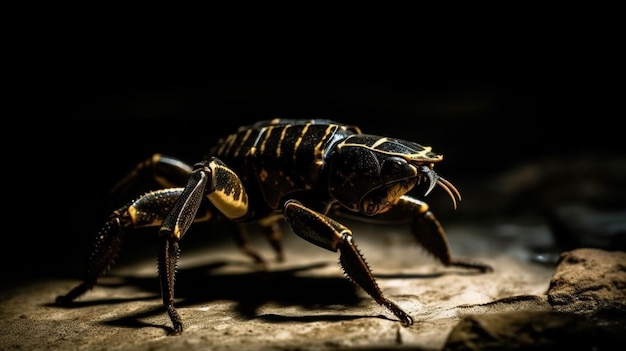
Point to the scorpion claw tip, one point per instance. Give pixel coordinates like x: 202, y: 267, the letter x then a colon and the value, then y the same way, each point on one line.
x: 432, y: 179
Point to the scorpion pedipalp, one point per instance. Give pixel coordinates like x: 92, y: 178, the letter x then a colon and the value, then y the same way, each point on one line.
x: 434, y: 179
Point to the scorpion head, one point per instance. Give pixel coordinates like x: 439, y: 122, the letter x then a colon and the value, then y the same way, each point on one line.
x: 369, y: 173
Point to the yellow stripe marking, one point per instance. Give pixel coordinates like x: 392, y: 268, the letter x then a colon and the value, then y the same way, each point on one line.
x: 380, y: 141
x: 419, y: 156
x: 280, y: 142
x: 319, y: 148
x: 241, y: 142
x: 266, y: 132
x: 132, y: 212
x: 297, y: 143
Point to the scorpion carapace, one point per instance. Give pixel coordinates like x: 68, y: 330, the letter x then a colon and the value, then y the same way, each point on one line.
x: 309, y: 172
x: 368, y: 173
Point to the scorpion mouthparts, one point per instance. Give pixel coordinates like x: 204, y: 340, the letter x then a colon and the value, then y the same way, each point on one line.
x: 450, y: 189
x: 434, y: 179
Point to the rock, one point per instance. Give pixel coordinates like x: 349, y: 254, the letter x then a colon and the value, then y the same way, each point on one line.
x: 587, y: 293
x: 526, y: 330
x: 589, y: 281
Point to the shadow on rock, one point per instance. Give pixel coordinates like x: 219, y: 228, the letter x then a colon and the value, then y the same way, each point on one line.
x: 201, y: 284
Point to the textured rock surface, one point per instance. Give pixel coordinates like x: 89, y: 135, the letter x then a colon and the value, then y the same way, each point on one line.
x: 305, y: 303
x: 525, y: 330
x: 589, y: 281
x: 586, y: 310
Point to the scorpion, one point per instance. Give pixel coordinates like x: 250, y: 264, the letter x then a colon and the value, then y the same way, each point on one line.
x: 309, y: 172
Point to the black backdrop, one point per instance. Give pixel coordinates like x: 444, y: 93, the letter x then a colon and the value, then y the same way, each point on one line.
x: 91, y: 116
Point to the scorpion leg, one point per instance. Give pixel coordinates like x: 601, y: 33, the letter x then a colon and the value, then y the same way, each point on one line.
x: 241, y: 232
x: 428, y: 232
x: 270, y: 227
x: 105, y: 249
x: 173, y: 228
x: 168, y: 260
x: 331, y: 235
x: 157, y: 172
x: 162, y: 171
x: 139, y: 213
x: 174, y: 210
x: 225, y: 191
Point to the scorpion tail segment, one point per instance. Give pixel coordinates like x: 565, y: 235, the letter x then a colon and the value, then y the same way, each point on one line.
x: 357, y: 270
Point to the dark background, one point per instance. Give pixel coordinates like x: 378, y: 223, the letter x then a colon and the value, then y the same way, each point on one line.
x: 489, y: 102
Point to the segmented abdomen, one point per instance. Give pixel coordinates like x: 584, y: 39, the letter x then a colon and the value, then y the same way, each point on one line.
x: 283, y: 155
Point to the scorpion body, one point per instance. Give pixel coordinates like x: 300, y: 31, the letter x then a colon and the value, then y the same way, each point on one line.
x: 308, y: 172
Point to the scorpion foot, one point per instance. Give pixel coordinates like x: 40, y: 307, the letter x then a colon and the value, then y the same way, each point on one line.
x: 405, y: 319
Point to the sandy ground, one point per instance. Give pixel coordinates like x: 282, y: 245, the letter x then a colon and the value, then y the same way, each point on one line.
x: 303, y: 303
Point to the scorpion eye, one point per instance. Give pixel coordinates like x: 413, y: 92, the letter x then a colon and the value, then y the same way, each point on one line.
x: 396, y: 167
x: 393, y: 163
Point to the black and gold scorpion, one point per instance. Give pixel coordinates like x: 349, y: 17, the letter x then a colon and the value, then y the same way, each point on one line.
x: 309, y: 172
